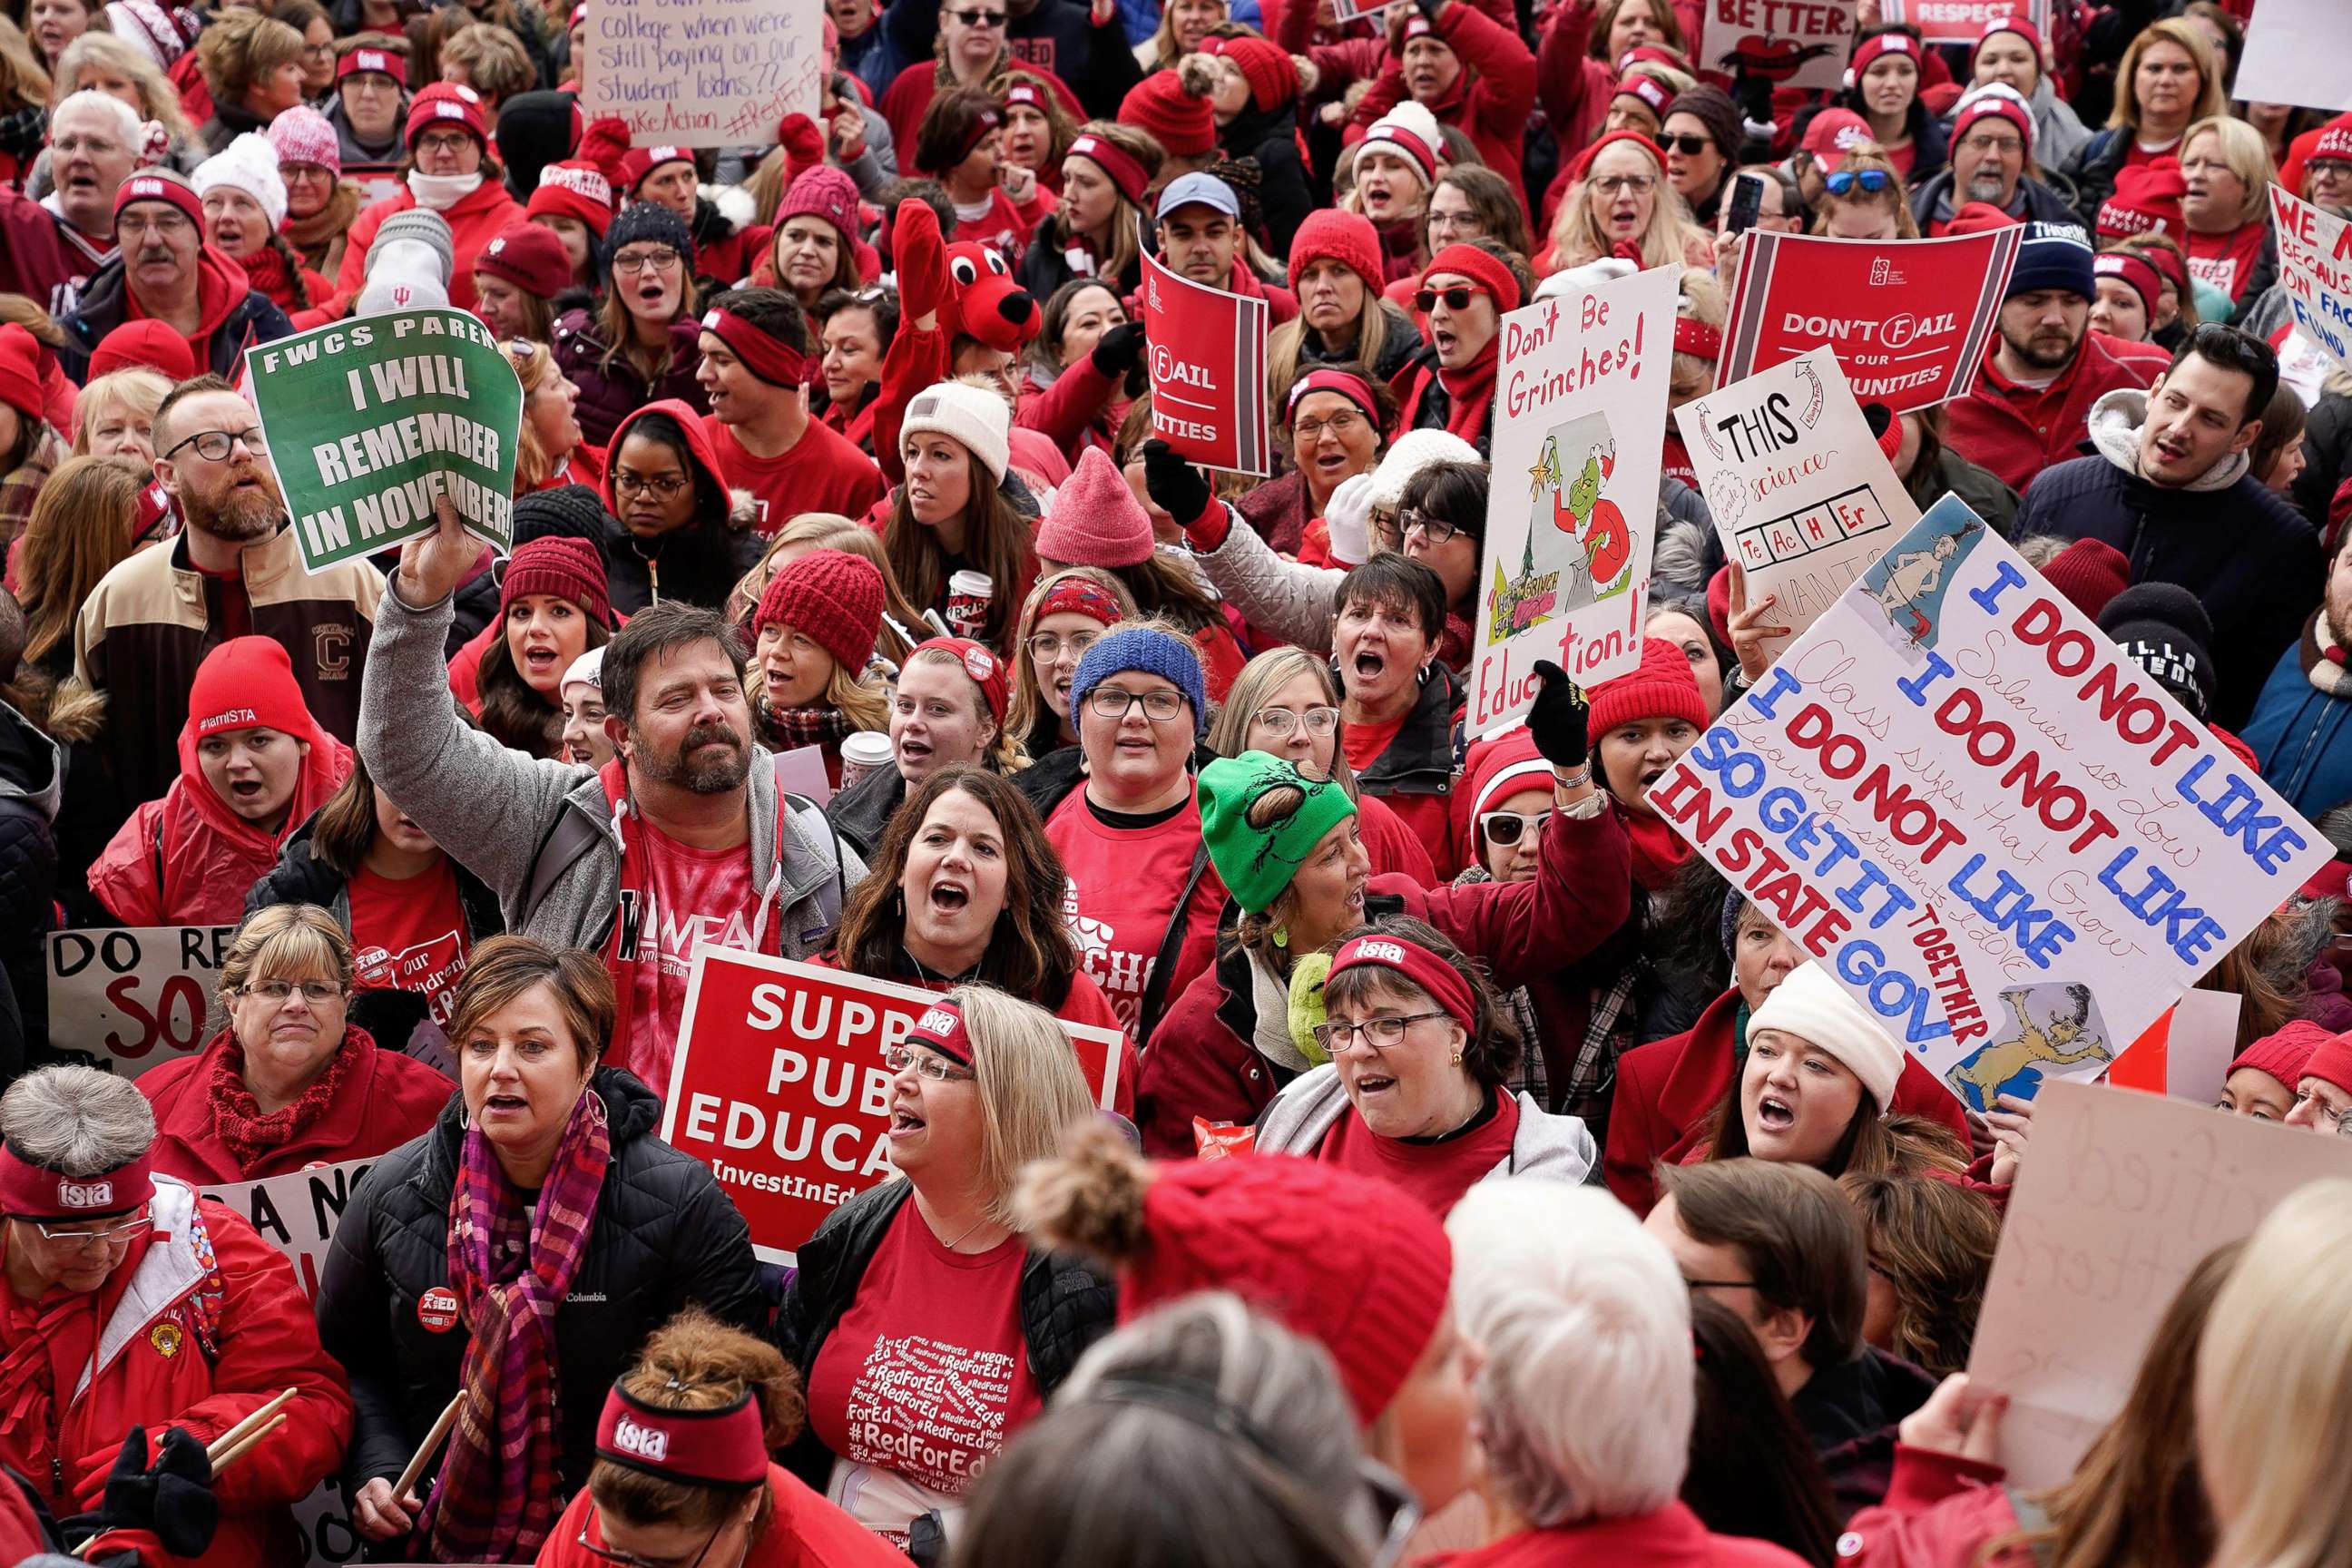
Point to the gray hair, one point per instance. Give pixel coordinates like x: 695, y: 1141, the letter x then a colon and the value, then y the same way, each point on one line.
x: 125, y: 118
x: 76, y: 1121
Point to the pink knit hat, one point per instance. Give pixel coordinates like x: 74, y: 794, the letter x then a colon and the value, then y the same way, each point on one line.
x: 1096, y: 520
x: 303, y: 136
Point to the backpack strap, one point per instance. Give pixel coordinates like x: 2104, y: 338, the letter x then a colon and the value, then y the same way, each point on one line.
x: 1155, y: 994
x: 567, y: 837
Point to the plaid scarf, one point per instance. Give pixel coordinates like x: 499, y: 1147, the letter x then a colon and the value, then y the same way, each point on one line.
x: 237, y: 1119
x: 793, y: 728
x: 495, y: 1499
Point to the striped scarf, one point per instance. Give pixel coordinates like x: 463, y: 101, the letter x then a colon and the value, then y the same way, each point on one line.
x: 496, y: 1499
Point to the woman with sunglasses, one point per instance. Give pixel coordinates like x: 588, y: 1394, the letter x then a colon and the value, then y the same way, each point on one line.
x: 1466, y: 292
x: 1622, y: 205
x: 924, y: 1280
x: 1700, y: 135
x: 1886, y: 93
x: 1863, y: 199
x: 1066, y: 614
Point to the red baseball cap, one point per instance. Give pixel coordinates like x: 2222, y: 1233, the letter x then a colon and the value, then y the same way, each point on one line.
x: 1833, y: 133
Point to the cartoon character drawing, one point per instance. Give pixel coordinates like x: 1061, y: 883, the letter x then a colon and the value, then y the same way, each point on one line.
x: 1911, y: 581
x: 2072, y: 1033
x: 1583, y: 512
x: 1526, y: 600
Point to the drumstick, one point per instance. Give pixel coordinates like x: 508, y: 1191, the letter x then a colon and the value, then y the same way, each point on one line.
x: 229, y: 1439
x: 246, y: 1444
x: 408, y: 1477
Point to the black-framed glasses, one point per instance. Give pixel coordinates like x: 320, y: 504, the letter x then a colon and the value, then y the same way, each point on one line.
x: 631, y: 1560
x: 980, y: 18
x: 1384, y: 1033
x: 214, y: 446
x: 1342, y: 424
x: 667, y: 486
x: 1871, y: 181
x: 1506, y: 828
x: 1688, y: 146
x: 92, y: 1241
x: 1435, y: 529
x: 926, y: 1063
x: 635, y: 261
x: 2329, y: 169
x: 1457, y: 298
x: 1159, y: 705
x: 1282, y: 721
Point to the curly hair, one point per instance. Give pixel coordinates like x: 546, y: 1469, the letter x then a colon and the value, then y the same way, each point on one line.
x: 696, y: 1363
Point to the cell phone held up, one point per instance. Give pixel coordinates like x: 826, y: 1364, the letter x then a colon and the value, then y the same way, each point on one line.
x: 1746, y: 204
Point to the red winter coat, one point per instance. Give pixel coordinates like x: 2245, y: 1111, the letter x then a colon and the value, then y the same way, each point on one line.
x: 387, y: 1100
x: 1489, y: 102
x: 202, y: 1324
x: 474, y: 222
x: 1940, y: 1511
x: 1672, y: 1537
x: 803, y: 1531
x: 1667, y: 1089
x: 1202, y: 1061
x: 2017, y: 433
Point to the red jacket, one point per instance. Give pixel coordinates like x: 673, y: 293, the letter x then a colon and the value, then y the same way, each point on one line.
x: 474, y: 222
x: 1671, y: 1536
x: 202, y: 1324
x: 1666, y: 1090
x: 387, y: 1100
x: 1202, y: 1062
x: 2017, y: 433
x: 1489, y: 102
x: 42, y: 256
x: 1940, y: 1511
x: 803, y: 1531
x: 912, y: 89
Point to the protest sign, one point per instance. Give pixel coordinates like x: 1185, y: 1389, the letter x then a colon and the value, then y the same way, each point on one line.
x: 778, y: 1084
x: 1207, y: 363
x: 2186, y: 1052
x: 1802, y: 494
x: 2296, y: 52
x: 2119, y: 1197
x: 703, y: 73
x: 126, y: 1000
x: 1960, y: 21
x: 2315, y: 259
x: 1990, y: 824
x: 1349, y: 10
x: 1908, y: 318
x: 1789, y: 43
x: 1581, y: 412
x: 370, y: 420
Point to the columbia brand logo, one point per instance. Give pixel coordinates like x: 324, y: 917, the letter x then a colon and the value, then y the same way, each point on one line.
x: 1385, y: 952
x: 645, y: 1442
x: 85, y: 1194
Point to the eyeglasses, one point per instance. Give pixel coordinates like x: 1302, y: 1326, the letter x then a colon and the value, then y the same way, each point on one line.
x: 665, y: 487
x: 1469, y: 226
x: 1721, y: 1284
x: 979, y: 18
x: 2339, y: 1120
x: 444, y: 141
x: 1383, y: 1032
x: 1310, y: 431
x: 1617, y: 184
x: 646, y: 261
x: 1282, y: 720
x: 1159, y: 705
x: 1435, y: 529
x: 1871, y: 181
x: 2328, y: 169
x: 1457, y: 298
x: 631, y: 1560
x: 2003, y: 144
x: 1688, y: 146
x: 318, y: 992
x: 214, y: 446
x: 1507, y: 827
x: 92, y: 1241
x: 1046, y: 647
x: 927, y: 1065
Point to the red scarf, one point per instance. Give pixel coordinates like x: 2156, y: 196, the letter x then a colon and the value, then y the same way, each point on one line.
x: 265, y: 269
x: 1658, y: 850
x: 237, y: 1117
x: 1471, y: 390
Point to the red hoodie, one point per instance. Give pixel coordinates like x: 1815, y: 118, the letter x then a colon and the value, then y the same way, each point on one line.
x: 221, y: 287
x: 474, y: 222
x: 386, y: 1099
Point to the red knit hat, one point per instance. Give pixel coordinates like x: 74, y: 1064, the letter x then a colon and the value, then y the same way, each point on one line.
x: 1497, y: 768
x: 1094, y: 519
x: 167, y: 185
x: 2335, y: 140
x: 831, y: 596
x: 20, y: 372
x: 2286, y: 1055
x: 1272, y: 74
x: 1161, y: 108
x: 1663, y: 687
x: 573, y: 189
x: 1583, y: 165
x: 990, y: 673
x: 2147, y: 198
x: 248, y: 683
x: 571, y: 569
x: 529, y: 257
x: 639, y: 161
x: 1346, y: 238
x: 447, y: 103
x: 2089, y: 572
x: 822, y: 191
x: 1469, y: 261
x: 1866, y: 53
x: 2018, y: 22
x: 2330, y: 1061
x: 1994, y: 102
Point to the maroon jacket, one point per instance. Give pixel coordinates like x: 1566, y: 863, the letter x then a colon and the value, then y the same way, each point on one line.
x: 387, y: 1100
x: 1488, y: 102
x: 41, y: 256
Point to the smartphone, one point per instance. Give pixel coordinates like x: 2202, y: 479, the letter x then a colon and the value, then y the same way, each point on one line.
x: 1746, y: 204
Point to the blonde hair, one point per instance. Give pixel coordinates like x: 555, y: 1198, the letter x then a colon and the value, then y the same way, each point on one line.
x: 78, y: 531
x: 285, y: 942
x: 1702, y: 301
x: 1005, y: 755
x: 139, y: 390
x: 1666, y: 239
x: 107, y: 52
x: 1028, y: 708
x: 2210, y: 100
x: 20, y: 66
x: 1263, y: 675
x: 1871, y: 156
x: 831, y: 531
x: 1032, y: 1094
x: 535, y: 368
x: 239, y: 49
x: 1374, y: 323
x: 861, y: 701
x: 494, y: 60
x: 2247, y: 156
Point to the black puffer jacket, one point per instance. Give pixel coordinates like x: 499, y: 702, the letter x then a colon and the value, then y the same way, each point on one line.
x: 664, y: 1236
x: 1065, y: 1305
x: 32, y: 776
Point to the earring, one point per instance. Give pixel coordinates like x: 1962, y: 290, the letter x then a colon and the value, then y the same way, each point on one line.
x: 1457, y: 1058
x: 1281, y: 935
x: 1421, y: 677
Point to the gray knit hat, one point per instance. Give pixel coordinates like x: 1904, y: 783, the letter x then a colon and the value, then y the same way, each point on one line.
x: 417, y: 226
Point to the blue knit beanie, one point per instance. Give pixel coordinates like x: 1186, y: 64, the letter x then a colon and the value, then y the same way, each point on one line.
x: 1155, y: 653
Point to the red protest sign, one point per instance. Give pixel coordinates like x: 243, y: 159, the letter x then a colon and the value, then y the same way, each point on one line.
x: 779, y: 1086
x: 1908, y: 318
x: 1208, y: 371
x: 1960, y: 21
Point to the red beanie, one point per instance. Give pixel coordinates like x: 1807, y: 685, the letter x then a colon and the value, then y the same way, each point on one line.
x: 530, y: 258
x: 639, y: 161
x: 20, y: 372
x: 1094, y: 519
x: 1272, y: 74
x: 2018, y: 22
x: 447, y: 103
x: 1583, y: 165
x: 167, y: 185
x: 831, y: 597
x: 574, y: 189
x: 2330, y: 1061
x: 1469, y: 261
x: 1497, y: 768
x: 1866, y: 53
x: 248, y: 683
x: 1663, y: 687
x: 2287, y: 1055
x: 143, y: 344
x: 1161, y: 108
x: 1330, y: 235
x: 2089, y: 572
x: 2147, y: 198
x: 571, y: 569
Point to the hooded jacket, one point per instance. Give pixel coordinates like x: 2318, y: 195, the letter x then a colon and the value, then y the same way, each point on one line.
x: 1933, y: 202
x: 474, y: 220
x: 609, y: 393
x: 1558, y: 1148
x: 1490, y: 102
x: 232, y: 316
x: 386, y: 1099
x: 2014, y: 433
x: 2302, y: 727
x: 700, y: 563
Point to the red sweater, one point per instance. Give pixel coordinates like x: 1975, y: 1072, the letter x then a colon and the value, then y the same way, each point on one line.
x: 2016, y: 432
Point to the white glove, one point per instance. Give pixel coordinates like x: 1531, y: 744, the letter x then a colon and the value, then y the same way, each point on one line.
x: 1591, y: 275
x: 1347, y: 514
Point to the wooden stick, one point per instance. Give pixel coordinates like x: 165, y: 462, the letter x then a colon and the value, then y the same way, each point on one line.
x: 246, y: 1444
x: 409, y: 1477
x: 245, y: 1428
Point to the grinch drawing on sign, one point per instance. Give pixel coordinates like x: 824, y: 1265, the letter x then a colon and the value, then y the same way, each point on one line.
x: 1580, y: 547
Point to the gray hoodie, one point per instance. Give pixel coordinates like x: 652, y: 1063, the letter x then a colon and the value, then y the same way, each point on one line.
x: 2115, y: 426
x: 1310, y: 1105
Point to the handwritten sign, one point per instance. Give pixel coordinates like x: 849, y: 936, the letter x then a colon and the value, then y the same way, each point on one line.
x: 2315, y: 256
x: 1789, y: 43
x: 2186, y: 1052
x: 2120, y: 1196
x: 2296, y: 52
x: 779, y: 1086
x: 1207, y: 363
x: 1908, y: 318
x: 127, y: 1000
x: 1960, y: 21
x: 1802, y: 494
x: 1580, y: 422
x: 1997, y: 832
x: 703, y: 73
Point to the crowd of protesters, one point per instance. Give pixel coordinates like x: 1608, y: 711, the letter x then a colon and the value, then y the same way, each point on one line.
x: 1485, y: 1183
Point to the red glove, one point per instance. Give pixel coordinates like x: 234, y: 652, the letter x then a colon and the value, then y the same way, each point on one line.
x: 803, y: 142
x: 604, y: 143
x: 924, y: 287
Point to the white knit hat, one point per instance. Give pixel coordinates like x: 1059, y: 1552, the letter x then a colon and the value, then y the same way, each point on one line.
x: 1411, y: 132
x: 1812, y: 1006
x: 587, y: 670
x: 1407, y: 455
x: 250, y: 164
x: 978, y: 419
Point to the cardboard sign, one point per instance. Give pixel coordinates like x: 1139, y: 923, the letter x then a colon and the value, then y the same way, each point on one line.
x: 2315, y: 257
x: 127, y: 1000
x: 702, y: 73
x: 1801, y: 495
x: 1908, y: 318
x: 2119, y: 1197
x: 2186, y: 1052
x: 2000, y: 835
x: 1961, y: 21
x: 370, y: 420
x: 1789, y: 43
x: 1578, y: 424
x: 2296, y: 52
x: 779, y: 1086
x: 1207, y: 363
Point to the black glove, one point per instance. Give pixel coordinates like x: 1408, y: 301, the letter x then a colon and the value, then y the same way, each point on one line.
x: 1175, y: 486
x: 1430, y: 9
x: 174, y: 1499
x: 1556, y: 723
x: 1119, y: 350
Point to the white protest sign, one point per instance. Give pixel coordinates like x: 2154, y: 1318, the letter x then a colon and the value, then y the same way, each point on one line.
x: 702, y: 73
x: 2296, y: 52
x: 1998, y: 833
x: 131, y: 998
x: 2120, y: 1196
x: 1802, y: 494
x: 1580, y: 423
x: 2315, y: 257
x: 1789, y: 43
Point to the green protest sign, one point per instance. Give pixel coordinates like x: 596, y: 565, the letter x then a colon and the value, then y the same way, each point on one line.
x: 370, y: 421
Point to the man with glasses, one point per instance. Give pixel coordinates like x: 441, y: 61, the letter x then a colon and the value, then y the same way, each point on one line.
x: 235, y: 571
x: 131, y: 1302
x: 47, y: 255
x: 165, y: 271
x: 1992, y: 164
x: 757, y: 360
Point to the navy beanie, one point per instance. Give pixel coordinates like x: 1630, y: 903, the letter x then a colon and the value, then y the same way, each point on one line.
x: 1154, y: 652
x: 652, y: 221
x: 2052, y: 256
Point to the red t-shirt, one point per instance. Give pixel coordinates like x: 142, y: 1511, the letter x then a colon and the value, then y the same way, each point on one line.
x: 409, y: 934
x: 1435, y: 1174
x: 926, y: 1376
x: 1365, y: 743
x: 1122, y: 891
x: 820, y: 472
x: 228, y: 606
x: 2140, y: 156
x: 696, y: 895
x: 2227, y: 260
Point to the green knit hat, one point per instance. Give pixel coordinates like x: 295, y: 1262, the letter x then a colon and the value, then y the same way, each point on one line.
x: 1258, y: 863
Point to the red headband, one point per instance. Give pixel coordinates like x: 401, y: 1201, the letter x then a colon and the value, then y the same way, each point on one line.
x: 727, y: 1447
x: 985, y: 670
x: 942, y: 1028
x: 1417, y: 963
x: 762, y: 355
x: 1473, y: 263
x: 1649, y: 89
x: 1693, y: 336
x: 2133, y: 269
x: 1079, y: 596
x: 1024, y: 92
x: 1124, y: 171
x: 382, y: 62
x: 35, y: 1192
x: 2167, y: 264
x: 1351, y: 387
x: 983, y: 120
x: 2329, y: 882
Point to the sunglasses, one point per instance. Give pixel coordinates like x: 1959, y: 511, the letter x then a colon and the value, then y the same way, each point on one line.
x: 979, y: 18
x: 1504, y: 829
x: 1871, y: 181
x: 1457, y: 298
x: 1688, y: 146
